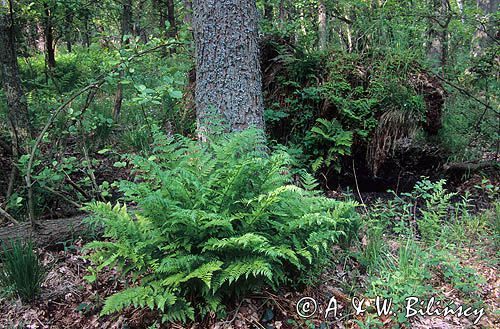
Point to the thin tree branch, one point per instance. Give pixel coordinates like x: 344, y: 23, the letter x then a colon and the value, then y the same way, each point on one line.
x: 8, y: 216
x: 467, y: 93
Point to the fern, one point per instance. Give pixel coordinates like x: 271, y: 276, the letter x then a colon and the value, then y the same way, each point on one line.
x: 216, y: 220
x: 335, y: 142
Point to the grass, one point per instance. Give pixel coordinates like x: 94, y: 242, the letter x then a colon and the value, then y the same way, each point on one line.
x: 22, y: 272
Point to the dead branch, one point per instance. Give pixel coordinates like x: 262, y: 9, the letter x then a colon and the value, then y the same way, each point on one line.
x: 8, y: 216
x: 470, y: 166
x: 48, y: 232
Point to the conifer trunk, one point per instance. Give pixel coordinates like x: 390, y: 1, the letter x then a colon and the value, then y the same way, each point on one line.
x: 228, y: 73
x: 438, y: 35
x: 172, y: 32
x: 188, y: 8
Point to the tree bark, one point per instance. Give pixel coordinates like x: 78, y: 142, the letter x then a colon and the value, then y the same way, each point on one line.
x: 17, y: 104
x: 49, y: 38
x: 166, y: 9
x: 438, y: 35
x: 282, y: 12
x: 126, y: 29
x: 188, y: 9
x: 69, y: 31
x: 485, y: 31
x: 322, y: 25
x: 228, y: 73
x: 268, y: 10
x: 49, y: 233
x: 460, y: 4
x: 18, y: 115
x: 86, y: 31
x: 137, y: 29
x: 167, y: 13
x: 172, y: 32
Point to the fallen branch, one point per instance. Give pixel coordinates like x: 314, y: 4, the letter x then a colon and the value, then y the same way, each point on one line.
x: 470, y: 166
x: 8, y: 216
x: 62, y: 196
x: 48, y: 232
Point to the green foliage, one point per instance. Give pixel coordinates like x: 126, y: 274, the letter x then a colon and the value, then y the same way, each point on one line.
x: 328, y: 137
x: 463, y: 278
x: 437, y: 202
x: 401, y: 276
x: 216, y: 220
x: 341, y: 96
x: 21, y: 271
x: 419, y: 212
x: 374, y: 248
x: 403, y: 269
x: 72, y: 70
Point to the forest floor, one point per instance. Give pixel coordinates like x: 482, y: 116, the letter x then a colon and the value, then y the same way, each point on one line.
x: 69, y: 300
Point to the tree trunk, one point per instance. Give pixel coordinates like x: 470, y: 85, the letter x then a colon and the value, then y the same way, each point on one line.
x: 49, y: 39
x: 167, y: 13
x: 460, y: 4
x: 438, y: 35
x: 228, y: 73
x: 68, y: 32
x: 18, y: 115
x: 282, y: 10
x: 126, y: 29
x: 137, y: 29
x: 188, y: 9
x: 485, y: 32
x: 268, y: 10
x: 50, y: 233
x: 86, y: 31
x: 172, y: 32
x: 161, y: 14
x: 322, y: 26
x: 16, y: 101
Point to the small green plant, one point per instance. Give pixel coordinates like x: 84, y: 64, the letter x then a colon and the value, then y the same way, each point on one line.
x: 374, y: 247
x: 216, y: 220
x: 490, y: 191
x: 329, y: 143
x: 21, y: 271
x: 402, y: 275
x: 437, y: 202
x: 463, y: 278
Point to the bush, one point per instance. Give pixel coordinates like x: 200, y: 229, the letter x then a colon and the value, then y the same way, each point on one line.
x: 21, y: 271
x: 214, y: 221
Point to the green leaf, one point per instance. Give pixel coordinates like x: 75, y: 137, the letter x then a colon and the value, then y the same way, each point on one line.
x: 177, y: 94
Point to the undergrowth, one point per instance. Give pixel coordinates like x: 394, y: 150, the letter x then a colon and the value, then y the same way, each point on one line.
x: 214, y: 221
x: 417, y: 240
x: 21, y: 272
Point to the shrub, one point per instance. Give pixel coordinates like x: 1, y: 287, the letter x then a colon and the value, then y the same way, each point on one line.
x: 214, y: 221
x: 21, y: 271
